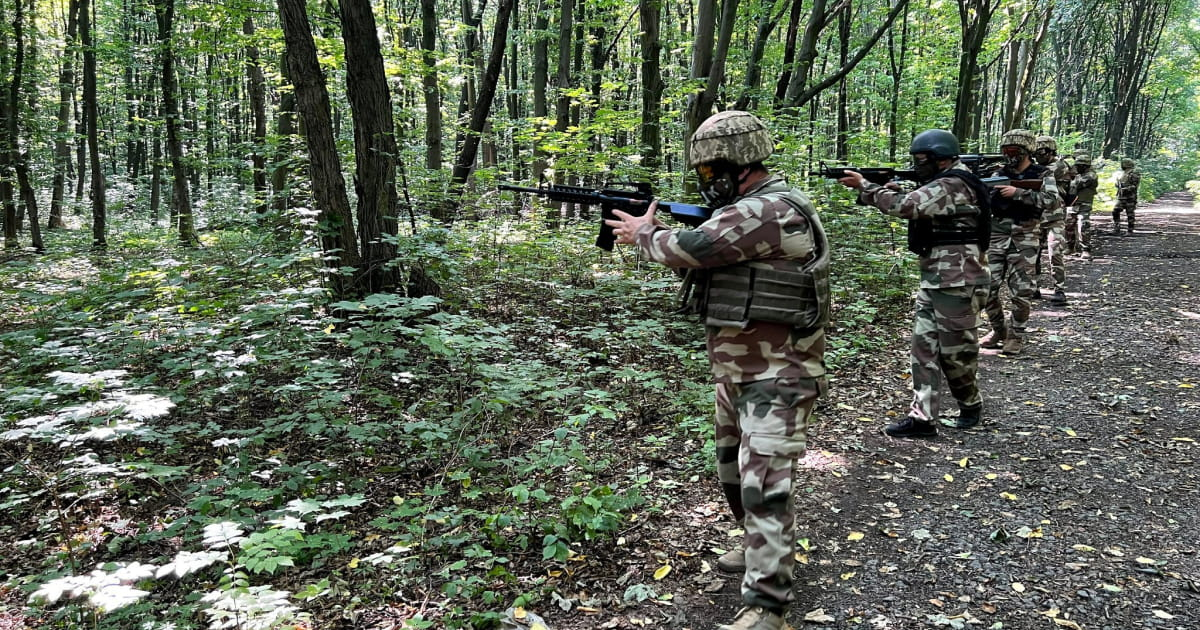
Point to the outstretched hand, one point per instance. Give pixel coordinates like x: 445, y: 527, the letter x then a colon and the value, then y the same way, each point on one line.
x: 625, y: 226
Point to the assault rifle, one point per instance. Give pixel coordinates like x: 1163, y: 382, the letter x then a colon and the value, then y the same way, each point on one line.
x: 885, y: 174
x: 631, y: 197
x: 983, y: 164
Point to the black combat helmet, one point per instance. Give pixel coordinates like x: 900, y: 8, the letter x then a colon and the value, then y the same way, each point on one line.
x: 939, y: 143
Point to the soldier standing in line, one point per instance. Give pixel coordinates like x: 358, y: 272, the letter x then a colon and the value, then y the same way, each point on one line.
x: 1079, y: 215
x: 949, y: 228
x: 761, y: 271
x: 1053, y: 235
x: 1016, y: 217
x: 1127, y: 196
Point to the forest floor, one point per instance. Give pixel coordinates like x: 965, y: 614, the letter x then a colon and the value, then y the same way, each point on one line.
x: 1074, y: 505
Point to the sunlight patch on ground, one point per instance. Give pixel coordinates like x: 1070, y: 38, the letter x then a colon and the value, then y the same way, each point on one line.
x: 824, y: 461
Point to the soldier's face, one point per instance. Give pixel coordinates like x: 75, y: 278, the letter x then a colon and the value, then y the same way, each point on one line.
x: 1013, y: 153
x: 1043, y: 156
x: 924, y: 165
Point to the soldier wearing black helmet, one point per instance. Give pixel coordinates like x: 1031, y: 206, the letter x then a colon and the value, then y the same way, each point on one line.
x: 949, y: 228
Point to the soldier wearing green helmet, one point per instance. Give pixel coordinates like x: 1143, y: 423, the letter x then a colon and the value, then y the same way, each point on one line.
x: 1054, y: 221
x: 1128, y: 180
x: 1016, y: 230
x: 759, y: 271
x: 949, y: 228
x: 1079, y: 215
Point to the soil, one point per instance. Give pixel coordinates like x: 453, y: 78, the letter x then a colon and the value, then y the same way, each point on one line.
x: 1074, y: 505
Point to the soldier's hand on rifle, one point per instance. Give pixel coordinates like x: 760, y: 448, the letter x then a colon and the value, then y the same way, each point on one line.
x: 625, y: 226
x: 853, y: 179
x: 1006, y: 191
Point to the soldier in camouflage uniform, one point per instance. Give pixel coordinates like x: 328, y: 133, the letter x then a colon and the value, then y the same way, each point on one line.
x: 949, y: 229
x: 1127, y: 195
x: 1016, y: 220
x: 1053, y: 221
x: 1079, y: 215
x: 761, y: 271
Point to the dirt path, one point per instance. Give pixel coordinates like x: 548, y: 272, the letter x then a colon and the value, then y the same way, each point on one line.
x: 1075, y: 504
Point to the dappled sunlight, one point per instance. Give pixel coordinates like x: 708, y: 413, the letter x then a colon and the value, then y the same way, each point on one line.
x: 824, y: 461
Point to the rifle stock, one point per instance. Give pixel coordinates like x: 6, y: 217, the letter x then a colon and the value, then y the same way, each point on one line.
x: 631, y: 197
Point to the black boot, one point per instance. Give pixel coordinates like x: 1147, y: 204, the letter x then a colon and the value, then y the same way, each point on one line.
x: 968, y: 416
x: 910, y: 427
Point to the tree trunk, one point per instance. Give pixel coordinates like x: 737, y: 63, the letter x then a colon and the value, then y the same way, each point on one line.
x: 335, y: 225
x: 285, y: 128
x: 973, y: 19
x: 90, y: 115
x: 429, y: 81
x: 164, y: 12
x: 541, y: 77
x: 897, y: 63
x: 841, y: 140
x: 466, y: 157
x: 650, y: 19
x: 374, y: 146
x: 258, y: 112
x: 66, y: 94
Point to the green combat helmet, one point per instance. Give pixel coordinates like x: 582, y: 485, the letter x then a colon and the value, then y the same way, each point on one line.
x: 1126, y: 164
x: 1020, y: 137
x: 736, y: 137
x: 1083, y: 159
x: 1045, y: 142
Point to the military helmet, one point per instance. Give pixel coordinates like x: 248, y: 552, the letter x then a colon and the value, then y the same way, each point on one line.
x: 937, y: 142
x: 1020, y: 137
x: 1046, y: 142
x: 737, y: 137
x: 1127, y: 163
x: 1083, y: 159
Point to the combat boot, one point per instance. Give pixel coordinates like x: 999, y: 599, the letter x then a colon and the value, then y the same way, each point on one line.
x: 910, y: 427
x: 968, y: 416
x: 733, y: 561
x: 1059, y: 298
x: 757, y: 618
x: 1085, y: 254
x: 993, y: 339
x: 1037, y: 294
x: 1013, y: 344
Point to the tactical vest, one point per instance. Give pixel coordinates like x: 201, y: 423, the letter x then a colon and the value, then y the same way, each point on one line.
x: 754, y: 290
x: 925, y: 234
x: 1018, y: 211
x: 1088, y: 192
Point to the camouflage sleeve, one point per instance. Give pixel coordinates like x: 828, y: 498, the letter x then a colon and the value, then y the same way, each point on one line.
x: 931, y: 200
x: 753, y: 228
x: 1046, y: 199
x: 1085, y: 181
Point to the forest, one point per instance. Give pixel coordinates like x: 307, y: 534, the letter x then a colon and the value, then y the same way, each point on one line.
x: 280, y: 354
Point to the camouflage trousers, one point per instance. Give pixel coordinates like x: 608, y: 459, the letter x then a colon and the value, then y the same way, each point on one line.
x: 761, y: 428
x: 1054, y: 242
x: 944, y: 341
x: 1128, y: 205
x: 1079, y: 228
x: 1011, y: 258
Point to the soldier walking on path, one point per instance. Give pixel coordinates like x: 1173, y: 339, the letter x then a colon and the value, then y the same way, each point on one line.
x: 1127, y: 195
x: 1053, y: 221
x: 949, y: 228
x: 1079, y: 215
x: 1016, y: 219
x: 760, y: 268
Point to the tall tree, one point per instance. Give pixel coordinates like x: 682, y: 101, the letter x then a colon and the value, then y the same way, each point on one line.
x: 465, y: 161
x: 91, y: 123
x: 335, y: 225
x: 1137, y: 31
x: 650, y: 18
x: 257, y: 85
x: 66, y: 96
x: 374, y: 145
x: 164, y: 13
x: 974, y: 16
x: 429, y: 83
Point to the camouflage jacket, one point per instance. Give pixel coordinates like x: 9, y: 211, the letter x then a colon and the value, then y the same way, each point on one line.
x: 952, y: 204
x: 764, y: 228
x: 1127, y: 186
x: 1084, y: 187
x: 1062, y: 178
x: 1043, y: 202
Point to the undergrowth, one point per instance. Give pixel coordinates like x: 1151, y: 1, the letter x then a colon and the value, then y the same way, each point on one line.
x: 199, y: 439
